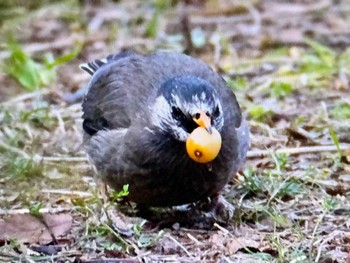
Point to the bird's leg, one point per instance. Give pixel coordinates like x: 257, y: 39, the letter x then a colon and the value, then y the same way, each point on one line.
x: 122, y: 224
x: 112, y: 215
x: 220, y: 209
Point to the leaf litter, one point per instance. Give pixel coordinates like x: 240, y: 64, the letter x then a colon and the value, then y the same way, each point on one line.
x: 30, y: 229
x: 288, y: 63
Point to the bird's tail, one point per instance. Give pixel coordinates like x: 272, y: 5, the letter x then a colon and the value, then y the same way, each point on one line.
x: 92, y: 66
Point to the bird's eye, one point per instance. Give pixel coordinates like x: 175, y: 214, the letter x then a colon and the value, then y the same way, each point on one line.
x: 176, y: 112
x: 216, y: 112
x: 207, y: 113
x: 197, y: 116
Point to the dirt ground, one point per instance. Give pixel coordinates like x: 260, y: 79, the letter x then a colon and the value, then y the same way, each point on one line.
x: 288, y: 63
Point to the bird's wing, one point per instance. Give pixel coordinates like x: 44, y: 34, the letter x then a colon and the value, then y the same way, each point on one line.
x: 106, y: 102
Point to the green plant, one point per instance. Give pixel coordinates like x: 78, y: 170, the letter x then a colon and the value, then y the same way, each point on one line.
x: 335, y: 140
x: 322, y: 61
x: 237, y: 84
x: 319, y: 66
x: 34, y: 209
x: 272, y: 182
x: 118, y: 196
x: 149, y: 239
x: 280, y: 89
x: 253, y: 183
x: 259, y: 113
x: 341, y: 111
x: 30, y: 74
x: 21, y: 167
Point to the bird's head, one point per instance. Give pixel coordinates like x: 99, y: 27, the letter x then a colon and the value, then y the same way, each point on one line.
x: 189, y: 109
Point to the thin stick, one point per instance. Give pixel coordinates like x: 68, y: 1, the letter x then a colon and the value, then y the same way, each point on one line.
x: 24, y: 97
x: 181, y: 246
x: 223, y: 229
x: 299, y: 150
x: 205, y: 19
x: 66, y: 192
x: 64, y: 159
x: 324, y: 241
x: 42, y: 210
x: 195, y: 240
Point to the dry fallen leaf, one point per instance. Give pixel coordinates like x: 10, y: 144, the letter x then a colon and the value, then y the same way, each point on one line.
x: 230, y: 245
x: 236, y: 244
x: 29, y: 229
x: 167, y: 246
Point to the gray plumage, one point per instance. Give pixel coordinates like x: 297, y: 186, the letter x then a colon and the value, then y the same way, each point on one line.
x: 128, y: 145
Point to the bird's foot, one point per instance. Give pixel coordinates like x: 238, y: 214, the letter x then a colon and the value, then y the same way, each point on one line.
x: 201, y: 214
x: 188, y: 216
x: 220, y: 209
x: 121, y: 223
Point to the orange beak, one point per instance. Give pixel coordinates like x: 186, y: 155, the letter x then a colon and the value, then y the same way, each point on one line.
x: 203, y: 121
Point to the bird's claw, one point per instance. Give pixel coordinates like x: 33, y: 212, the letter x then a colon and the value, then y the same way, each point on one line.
x: 220, y: 209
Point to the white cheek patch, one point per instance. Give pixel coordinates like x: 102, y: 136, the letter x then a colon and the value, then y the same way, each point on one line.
x: 161, y: 112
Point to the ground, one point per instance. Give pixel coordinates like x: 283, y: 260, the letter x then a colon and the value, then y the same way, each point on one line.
x: 288, y: 63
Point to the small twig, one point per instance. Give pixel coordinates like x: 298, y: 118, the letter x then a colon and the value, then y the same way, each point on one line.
x: 195, y: 240
x: 219, y: 20
x: 58, y: 44
x: 304, y: 9
x: 66, y: 192
x: 42, y: 210
x: 63, y: 159
x: 265, y: 127
x: 209, y: 19
x: 39, y: 158
x: 181, y: 246
x: 318, y: 222
x: 223, y: 230
x: 326, y: 240
x: 60, y: 121
x: 117, y: 235
x: 23, y: 97
x: 260, y: 61
x: 299, y: 150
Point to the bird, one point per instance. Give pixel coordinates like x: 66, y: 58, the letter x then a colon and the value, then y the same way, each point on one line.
x: 166, y: 125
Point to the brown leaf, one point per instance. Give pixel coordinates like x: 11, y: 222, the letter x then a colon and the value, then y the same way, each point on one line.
x: 217, y: 238
x: 242, y: 242
x: 29, y: 229
x: 167, y: 246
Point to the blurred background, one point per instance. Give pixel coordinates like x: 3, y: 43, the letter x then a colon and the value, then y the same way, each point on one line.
x: 288, y: 63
